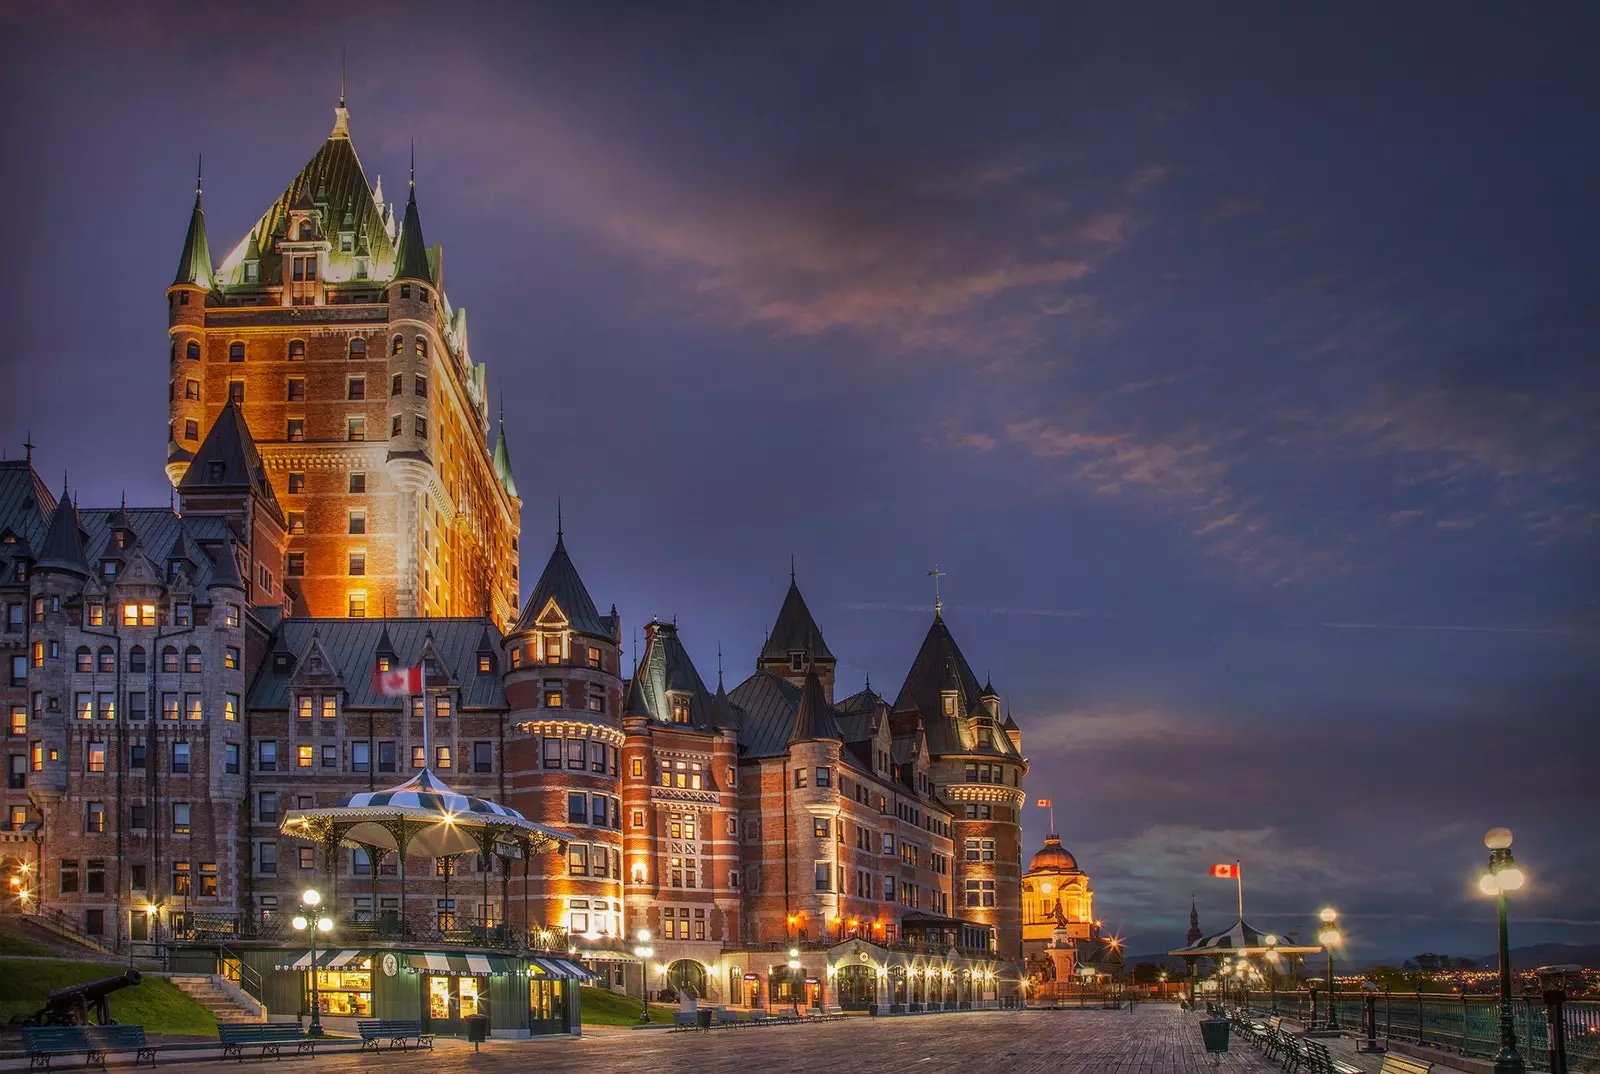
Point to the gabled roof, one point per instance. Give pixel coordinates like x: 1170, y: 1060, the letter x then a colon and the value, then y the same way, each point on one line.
x: 813, y: 716
x: 334, y: 171
x: 227, y: 459
x: 351, y: 647
x: 560, y: 582
x: 666, y: 668
x: 412, y: 260
x: 194, y: 264
x: 795, y: 630
x: 26, y: 506
x: 63, y: 547
x: 939, y: 667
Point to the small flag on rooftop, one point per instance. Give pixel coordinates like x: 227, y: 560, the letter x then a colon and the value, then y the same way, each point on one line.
x: 1043, y: 803
x: 397, y: 682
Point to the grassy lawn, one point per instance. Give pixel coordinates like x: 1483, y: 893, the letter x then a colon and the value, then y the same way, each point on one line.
x: 13, y: 944
x: 603, y: 1007
x: 155, y: 1004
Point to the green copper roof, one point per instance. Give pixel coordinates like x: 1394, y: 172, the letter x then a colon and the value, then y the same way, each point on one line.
x: 194, y: 266
x: 502, y: 459
x: 334, y: 182
x: 412, y: 263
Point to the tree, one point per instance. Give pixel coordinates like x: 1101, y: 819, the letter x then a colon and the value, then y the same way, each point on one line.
x: 1146, y: 973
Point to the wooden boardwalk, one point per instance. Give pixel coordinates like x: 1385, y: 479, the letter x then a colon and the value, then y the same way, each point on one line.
x: 1153, y: 1039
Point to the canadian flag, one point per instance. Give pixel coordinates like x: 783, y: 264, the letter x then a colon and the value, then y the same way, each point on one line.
x: 1226, y: 872
x: 397, y: 682
x: 1042, y: 803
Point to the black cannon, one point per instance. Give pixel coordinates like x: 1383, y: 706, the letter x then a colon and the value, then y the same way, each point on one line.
x: 73, y: 1006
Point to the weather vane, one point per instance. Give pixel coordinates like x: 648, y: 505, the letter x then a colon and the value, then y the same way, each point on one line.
x: 936, y: 574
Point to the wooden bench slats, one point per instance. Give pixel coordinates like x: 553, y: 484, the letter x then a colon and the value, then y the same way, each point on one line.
x: 1395, y: 1063
x: 271, y: 1036
x: 394, y: 1030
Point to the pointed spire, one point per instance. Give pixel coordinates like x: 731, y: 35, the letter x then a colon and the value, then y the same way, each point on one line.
x: 795, y: 630
x: 560, y: 582
x: 341, y: 114
x: 813, y: 716
x: 225, y: 571
x: 412, y: 263
x: 63, y: 541
x: 194, y: 264
x: 502, y: 466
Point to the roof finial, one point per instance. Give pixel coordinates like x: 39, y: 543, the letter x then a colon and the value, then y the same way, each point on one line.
x: 936, y: 574
x: 719, y: 665
x: 558, y: 518
x: 28, y: 445
x: 199, y: 174
x: 413, y: 166
x: 791, y: 568
x: 344, y: 51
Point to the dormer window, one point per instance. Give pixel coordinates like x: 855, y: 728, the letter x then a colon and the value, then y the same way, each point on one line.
x: 252, y: 272
x: 485, y: 663
x: 347, y: 242
x: 108, y: 568
x: 680, y: 708
x: 385, y: 663
x: 361, y: 268
x: 949, y: 704
x: 797, y: 661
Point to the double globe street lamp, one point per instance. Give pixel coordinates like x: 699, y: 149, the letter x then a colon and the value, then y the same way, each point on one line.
x: 1504, y: 875
x: 1330, y: 938
x: 311, y: 899
x: 794, y: 978
x: 642, y: 951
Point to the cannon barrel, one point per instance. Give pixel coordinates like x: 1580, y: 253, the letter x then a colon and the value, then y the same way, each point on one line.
x: 90, y: 991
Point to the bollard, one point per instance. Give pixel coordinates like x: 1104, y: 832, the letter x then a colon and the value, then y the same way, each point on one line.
x: 1556, y: 1029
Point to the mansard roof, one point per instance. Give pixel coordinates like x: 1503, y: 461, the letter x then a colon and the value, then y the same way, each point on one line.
x: 795, y: 630
x: 227, y: 459
x: 199, y: 542
x: 768, y: 703
x: 813, y: 717
x: 26, y: 507
x: 352, y: 647
x: 332, y: 180
x: 940, y: 667
x: 666, y: 668
x: 560, y: 582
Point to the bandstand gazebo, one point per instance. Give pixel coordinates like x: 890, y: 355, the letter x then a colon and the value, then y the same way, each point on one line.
x: 1239, y: 940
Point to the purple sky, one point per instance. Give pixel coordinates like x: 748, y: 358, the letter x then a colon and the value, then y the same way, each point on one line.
x: 1239, y: 370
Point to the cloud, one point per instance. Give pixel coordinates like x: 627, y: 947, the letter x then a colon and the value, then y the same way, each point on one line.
x: 1456, y: 525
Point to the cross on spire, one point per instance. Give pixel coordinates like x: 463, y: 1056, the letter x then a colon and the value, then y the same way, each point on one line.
x: 936, y: 574
x: 199, y: 174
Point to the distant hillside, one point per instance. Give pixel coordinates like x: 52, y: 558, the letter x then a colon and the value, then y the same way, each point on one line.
x: 1522, y: 958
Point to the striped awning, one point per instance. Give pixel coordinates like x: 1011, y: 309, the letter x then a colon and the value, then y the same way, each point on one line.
x: 460, y: 965
x: 559, y: 968
x: 327, y: 959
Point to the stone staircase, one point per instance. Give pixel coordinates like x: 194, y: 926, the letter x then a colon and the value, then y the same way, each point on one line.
x: 210, y: 995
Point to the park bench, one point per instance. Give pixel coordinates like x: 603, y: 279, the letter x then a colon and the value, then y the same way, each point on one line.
x: 1395, y: 1063
x: 271, y: 1036
x: 1321, y: 1061
x: 397, y: 1032
x: 685, y: 1019
x: 729, y: 1018
x: 45, y: 1042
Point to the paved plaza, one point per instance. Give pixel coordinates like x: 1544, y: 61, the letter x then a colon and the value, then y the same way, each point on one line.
x: 1155, y: 1039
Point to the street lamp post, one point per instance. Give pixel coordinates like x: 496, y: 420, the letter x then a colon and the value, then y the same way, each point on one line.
x: 794, y: 979
x: 311, y: 899
x: 1272, y: 972
x: 1329, y: 935
x: 642, y: 951
x: 1504, y: 875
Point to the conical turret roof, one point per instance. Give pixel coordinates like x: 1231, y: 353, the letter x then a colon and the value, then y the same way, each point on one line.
x: 813, y: 717
x: 412, y: 262
x: 227, y: 459
x: 225, y: 572
x: 194, y: 264
x: 940, y: 668
x: 795, y: 630
x: 502, y: 458
x: 63, y: 541
x: 560, y: 582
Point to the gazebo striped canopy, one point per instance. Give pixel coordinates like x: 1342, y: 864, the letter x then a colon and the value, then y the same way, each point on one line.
x: 1240, y: 938
x: 440, y: 820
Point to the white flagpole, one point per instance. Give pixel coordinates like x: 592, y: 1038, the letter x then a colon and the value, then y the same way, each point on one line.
x: 422, y: 672
x: 1238, y: 874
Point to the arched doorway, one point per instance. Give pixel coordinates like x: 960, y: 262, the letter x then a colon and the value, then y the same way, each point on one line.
x: 897, y: 988
x: 687, y: 978
x: 856, y: 987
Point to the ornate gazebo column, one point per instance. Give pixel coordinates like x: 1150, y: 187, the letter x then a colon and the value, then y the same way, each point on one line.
x: 375, y: 855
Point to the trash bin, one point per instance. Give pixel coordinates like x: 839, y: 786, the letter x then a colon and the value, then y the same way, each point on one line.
x: 703, y: 1016
x: 1214, y: 1031
x: 478, y: 1029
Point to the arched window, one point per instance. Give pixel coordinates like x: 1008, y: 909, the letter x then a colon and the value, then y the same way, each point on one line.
x: 395, y: 345
x: 191, y: 350
x: 308, y: 230
x: 236, y: 351
x: 136, y: 664
x: 85, y: 659
x: 422, y: 347
x: 107, y: 659
x: 297, y: 350
x: 169, y: 658
x: 191, y: 659
x: 358, y: 349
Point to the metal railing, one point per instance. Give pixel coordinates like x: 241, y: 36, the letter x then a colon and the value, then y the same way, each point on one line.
x: 1463, y: 1024
x: 227, y: 928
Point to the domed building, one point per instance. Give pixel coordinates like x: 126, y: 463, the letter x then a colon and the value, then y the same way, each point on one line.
x: 1056, y: 895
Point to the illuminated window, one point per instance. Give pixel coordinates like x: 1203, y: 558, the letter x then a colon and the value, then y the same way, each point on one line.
x: 330, y: 707
x: 194, y: 706
x: 419, y: 757
x: 297, y: 481
x: 236, y: 351
x: 303, y: 756
x: 441, y: 757
x: 94, y: 819
x: 303, y: 707
x: 358, y: 604
x: 297, y: 350
x: 485, y: 663
x: 191, y: 389
x: 680, y: 709
x: 422, y: 347
x: 230, y: 615
x: 295, y: 429
x: 97, y: 757
x: 230, y: 707
x: 356, y: 428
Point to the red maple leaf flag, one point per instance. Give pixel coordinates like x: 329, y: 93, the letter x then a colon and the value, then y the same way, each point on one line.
x: 397, y: 682
x: 1043, y: 803
x: 1226, y: 872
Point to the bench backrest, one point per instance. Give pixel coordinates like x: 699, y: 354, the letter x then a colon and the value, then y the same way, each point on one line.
x: 1395, y: 1063
x: 116, y: 1036
x: 54, y: 1038
x: 398, y: 1026
x: 257, y: 1033
x: 1275, y: 1022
